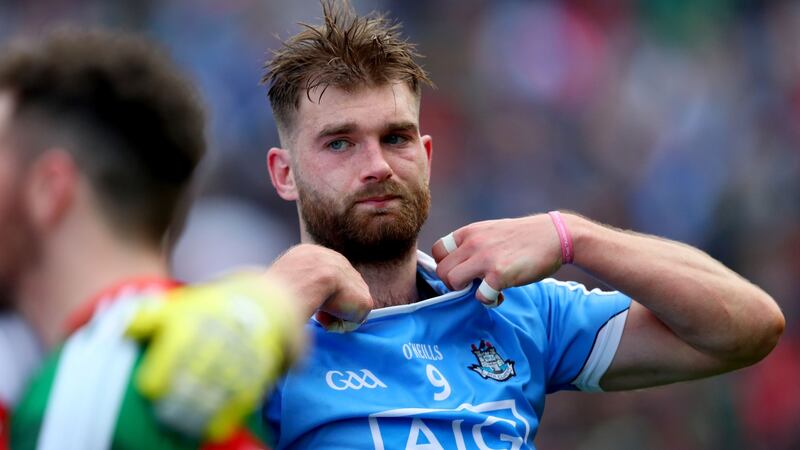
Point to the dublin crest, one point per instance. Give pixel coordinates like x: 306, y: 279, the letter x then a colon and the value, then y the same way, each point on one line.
x: 490, y: 364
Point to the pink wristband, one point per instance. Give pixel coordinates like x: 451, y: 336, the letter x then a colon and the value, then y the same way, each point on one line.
x: 567, y: 253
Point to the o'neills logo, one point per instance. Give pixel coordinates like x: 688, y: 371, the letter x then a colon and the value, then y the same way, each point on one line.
x: 490, y: 364
x: 422, y: 351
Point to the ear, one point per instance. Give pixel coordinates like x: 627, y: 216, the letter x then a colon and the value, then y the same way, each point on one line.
x: 427, y: 144
x: 51, y: 188
x: 281, y: 174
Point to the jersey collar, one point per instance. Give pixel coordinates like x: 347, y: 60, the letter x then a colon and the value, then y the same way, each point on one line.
x: 84, y: 313
x: 426, y: 267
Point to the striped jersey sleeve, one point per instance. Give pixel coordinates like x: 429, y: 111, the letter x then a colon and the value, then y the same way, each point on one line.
x: 584, y: 328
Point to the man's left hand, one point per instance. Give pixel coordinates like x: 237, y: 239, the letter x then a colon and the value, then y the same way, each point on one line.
x: 504, y: 253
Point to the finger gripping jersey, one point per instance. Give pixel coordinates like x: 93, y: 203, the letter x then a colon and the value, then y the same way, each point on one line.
x: 447, y: 373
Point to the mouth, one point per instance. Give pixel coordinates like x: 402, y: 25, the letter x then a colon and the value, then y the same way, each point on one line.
x: 380, y: 201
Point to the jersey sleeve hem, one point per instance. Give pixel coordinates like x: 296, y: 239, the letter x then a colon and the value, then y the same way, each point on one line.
x: 603, y: 351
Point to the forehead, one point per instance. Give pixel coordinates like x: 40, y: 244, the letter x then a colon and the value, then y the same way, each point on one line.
x: 368, y: 107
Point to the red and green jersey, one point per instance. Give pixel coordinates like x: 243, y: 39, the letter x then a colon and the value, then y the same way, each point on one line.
x: 84, y: 398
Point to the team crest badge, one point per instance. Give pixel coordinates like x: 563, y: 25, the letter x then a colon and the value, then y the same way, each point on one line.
x: 490, y: 363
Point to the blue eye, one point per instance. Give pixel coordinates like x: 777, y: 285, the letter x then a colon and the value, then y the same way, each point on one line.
x: 338, y: 145
x: 395, y: 139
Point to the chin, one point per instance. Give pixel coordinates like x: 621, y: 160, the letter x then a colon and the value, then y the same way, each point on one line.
x: 383, y: 215
x: 376, y: 216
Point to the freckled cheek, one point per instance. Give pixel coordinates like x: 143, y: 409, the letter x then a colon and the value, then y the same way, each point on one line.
x: 311, y: 169
x: 410, y: 167
x: 330, y: 179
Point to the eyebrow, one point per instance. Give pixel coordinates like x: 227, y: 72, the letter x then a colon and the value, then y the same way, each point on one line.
x: 402, y: 126
x: 350, y: 127
x: 338, y: 128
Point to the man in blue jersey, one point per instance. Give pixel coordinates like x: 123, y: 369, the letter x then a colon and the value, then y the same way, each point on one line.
x: 464, y: 345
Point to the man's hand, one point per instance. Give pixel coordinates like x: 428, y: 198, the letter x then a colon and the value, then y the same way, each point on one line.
x: 325, y: 284
x: 504, y: 253
x: 215, y: 350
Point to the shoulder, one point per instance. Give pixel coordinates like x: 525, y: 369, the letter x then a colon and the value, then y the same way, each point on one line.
x: 554, y: 300
x: 29, y: 412
x: 542, y: 294
x: 79, y: 388
x: 551, y: 290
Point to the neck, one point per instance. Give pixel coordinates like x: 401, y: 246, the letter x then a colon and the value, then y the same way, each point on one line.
x: 392, y: 284
x: 71, y: 271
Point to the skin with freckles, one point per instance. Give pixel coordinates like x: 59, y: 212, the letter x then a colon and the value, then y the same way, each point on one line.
x: 358, y: 169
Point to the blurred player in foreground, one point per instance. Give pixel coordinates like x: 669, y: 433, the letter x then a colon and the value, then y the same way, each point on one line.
x: 442, y: 363
x: 99, y: 137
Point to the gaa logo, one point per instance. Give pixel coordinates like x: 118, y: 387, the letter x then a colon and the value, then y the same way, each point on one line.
x: 351, y: 380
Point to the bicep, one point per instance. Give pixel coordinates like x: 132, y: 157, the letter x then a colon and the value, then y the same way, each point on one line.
x: 650, y: 354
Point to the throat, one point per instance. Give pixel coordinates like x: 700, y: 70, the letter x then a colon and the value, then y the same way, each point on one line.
x: 392, y: 285
x: 424, y: 289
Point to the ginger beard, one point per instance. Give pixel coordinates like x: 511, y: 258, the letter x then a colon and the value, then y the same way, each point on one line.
x: 374, y: 236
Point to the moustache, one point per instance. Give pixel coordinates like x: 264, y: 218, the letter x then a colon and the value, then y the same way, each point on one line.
x: 385, y: 189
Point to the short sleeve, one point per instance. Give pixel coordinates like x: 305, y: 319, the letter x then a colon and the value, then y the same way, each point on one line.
x: 583, y: 332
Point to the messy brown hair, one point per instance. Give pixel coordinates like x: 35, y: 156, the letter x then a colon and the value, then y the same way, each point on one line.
x: 347, y: 51
x: 132, y: 121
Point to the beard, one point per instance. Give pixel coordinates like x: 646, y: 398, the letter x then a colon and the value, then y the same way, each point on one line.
x: 380, y: 236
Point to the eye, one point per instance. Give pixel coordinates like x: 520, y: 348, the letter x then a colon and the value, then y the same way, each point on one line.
x: 395, y: 139
x: 338, y: 145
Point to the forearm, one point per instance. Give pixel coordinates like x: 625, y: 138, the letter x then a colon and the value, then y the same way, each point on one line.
x: 704, y: 303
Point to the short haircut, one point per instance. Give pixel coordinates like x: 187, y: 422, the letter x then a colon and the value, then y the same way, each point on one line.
x: 347, y: 51
x: 131, y: 120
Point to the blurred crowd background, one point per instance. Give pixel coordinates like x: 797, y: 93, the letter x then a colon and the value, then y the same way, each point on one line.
x: 674, y: 117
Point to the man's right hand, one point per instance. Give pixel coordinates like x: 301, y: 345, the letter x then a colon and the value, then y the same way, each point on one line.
x: 326, y: 284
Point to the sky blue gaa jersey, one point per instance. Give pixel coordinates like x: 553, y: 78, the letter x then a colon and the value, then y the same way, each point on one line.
x: 447, y: 373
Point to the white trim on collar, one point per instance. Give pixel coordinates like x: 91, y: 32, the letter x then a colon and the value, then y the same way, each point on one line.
x: 429, y: 265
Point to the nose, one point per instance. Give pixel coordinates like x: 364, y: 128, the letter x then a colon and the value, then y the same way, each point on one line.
x: 376, y: 168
